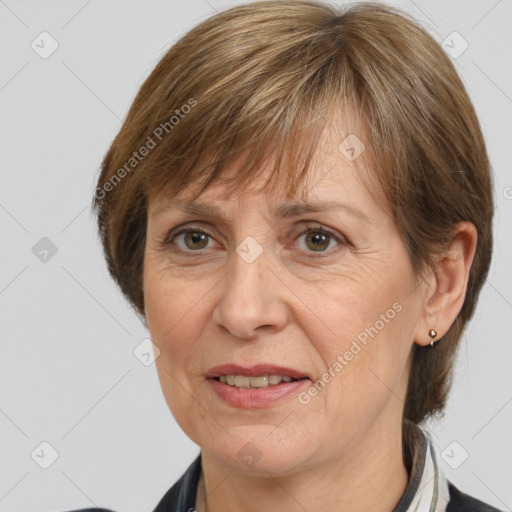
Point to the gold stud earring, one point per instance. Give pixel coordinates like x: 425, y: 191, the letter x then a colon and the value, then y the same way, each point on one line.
x: 432, y: 333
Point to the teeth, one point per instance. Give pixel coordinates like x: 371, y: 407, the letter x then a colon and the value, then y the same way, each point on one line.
x: 264, y: 381
x: 274, y: 379
x: 241, y: 381
x: 254, y: 382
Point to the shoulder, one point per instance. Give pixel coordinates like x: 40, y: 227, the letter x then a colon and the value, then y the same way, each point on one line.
x: 460, y: 502
x: 91, y: 510
x: 181, y: 496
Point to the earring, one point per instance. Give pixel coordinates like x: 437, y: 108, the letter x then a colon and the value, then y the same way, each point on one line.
x: 432, y: 333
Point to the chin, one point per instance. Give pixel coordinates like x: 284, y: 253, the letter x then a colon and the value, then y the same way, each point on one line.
x: 261, y: 450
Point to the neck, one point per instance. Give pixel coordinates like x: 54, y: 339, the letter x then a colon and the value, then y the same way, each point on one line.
x: 371, y: 477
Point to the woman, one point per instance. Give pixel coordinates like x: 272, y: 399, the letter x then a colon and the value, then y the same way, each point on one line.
x: 299, y: 206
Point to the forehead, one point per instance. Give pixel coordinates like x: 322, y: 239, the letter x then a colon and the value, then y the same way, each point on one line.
x: 333, y: 183
x: 329, y: 176
x: 338, y: 149
x: 341, y: 169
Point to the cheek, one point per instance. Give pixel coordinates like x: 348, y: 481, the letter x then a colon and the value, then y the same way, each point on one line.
x: 176, y: 317
x: 363, y: 334
x: 169, y: 299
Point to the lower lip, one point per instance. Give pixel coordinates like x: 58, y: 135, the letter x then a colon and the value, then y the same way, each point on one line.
x: 257, y: 397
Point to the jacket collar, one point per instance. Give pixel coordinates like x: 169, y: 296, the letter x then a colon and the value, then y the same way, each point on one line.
x: 427, y: 489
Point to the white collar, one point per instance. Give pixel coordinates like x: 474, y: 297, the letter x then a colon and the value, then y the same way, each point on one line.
x: 433, y: 494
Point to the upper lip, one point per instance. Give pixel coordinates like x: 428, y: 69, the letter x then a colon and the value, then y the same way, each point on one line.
x: 253, y: 371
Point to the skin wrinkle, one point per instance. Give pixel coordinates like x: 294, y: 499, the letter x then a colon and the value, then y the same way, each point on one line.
x: 300, y: 312
x: 304, y: 74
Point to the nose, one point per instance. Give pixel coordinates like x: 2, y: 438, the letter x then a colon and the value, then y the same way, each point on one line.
x: 252, y: 301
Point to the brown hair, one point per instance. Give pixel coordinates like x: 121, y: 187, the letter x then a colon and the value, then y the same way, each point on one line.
x: 264, y: 80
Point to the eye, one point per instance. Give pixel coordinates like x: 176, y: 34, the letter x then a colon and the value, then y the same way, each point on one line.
x: 317, y: 239
x: 194, y: 239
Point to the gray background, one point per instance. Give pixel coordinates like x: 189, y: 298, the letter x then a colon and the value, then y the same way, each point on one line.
x: 68, y: 374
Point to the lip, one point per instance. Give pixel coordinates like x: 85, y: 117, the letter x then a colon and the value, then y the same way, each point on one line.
x: 255, y: 398
x: 253, y: 371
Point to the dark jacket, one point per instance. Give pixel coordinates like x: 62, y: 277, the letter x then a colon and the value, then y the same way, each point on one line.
x: 426, y: 484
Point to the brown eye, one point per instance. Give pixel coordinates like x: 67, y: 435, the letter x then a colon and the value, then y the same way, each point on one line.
x: 193, y: 239
x: 319, y: 240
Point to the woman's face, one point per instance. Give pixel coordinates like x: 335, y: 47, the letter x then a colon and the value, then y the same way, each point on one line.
x: 338, y: 305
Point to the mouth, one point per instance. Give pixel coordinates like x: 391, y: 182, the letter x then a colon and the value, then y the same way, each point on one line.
x: 264, y: 381
x: 257, y: 377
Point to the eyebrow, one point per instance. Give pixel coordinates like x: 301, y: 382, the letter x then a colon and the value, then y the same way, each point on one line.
x: 283, y: 211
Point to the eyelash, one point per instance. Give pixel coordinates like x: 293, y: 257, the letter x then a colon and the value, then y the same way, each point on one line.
x: 168, y: 239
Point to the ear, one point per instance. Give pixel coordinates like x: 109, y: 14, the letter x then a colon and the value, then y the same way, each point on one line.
x: 447, y: 284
